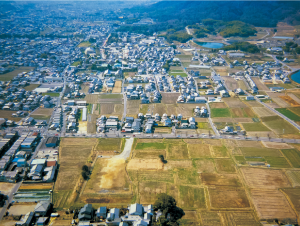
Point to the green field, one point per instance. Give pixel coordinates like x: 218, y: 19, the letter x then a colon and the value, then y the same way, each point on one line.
x: 260, y: 152
x: 84, y: 44
x: 76, y: 63
x: 279, y: 125
x: 182, y: 74
x: 10, y: 75
x: 289, y: 114
x: 31, y: 87
x: 240, y: 159
x: 220, y: 112
x: 278, y: 162
x: 293, y: 156
x: 109, y: 144
x: 225, y: 166
x: 51, y: 94
x: 192, y: 197
x: 256, y: 126
x: 188, y: 177
x: 150, y: 146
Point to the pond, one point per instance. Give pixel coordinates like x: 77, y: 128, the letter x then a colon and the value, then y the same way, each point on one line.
x: 211, y: 45
x: 296, y: 77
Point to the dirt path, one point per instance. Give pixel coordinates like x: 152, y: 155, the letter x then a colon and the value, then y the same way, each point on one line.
x: 127, y: 149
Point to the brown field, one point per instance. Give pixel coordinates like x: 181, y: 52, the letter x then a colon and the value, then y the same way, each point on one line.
x: 187, y: 109
x: 178, y: 164
x: 243, y: 120
x: 272, y: 204
x: 218, y: 105
x: 159, y: 108
x: 262, y: 111
x: 210, y: 218
x: 212, y: 142
x: 171, y: 109
x: 293, y: 197
x: 133, y: 107
x: 190, y: 218
x: 265, y: 178
x: 193, y: 141
x: 248, y: 143
x: 199, y: 151
x: 149, y: 190
x: 18, y: 210
x: 37, y: 186
x: 204, y: 165
x: 169, y: 98
x: 7, y: 114
x: 118, y: 87
x: 219, y: 151
x: 73, y: 154
x: 223, y: 120
x: 294, y: 177
x: 110, y: 200
x: 42, y: 113
x: 231, y: 83
x: 253, y: 103
x: 225, y: 197
x: 262, y: 134
x: 145, y: 164
x: 290, y: 101
x: 260, y: 85
x: 91, y: 98
x: 276, y: 145
x: 284, y: 29
x: 240, y: 219
x: 233, y: 102
x: 107, y: 108
x: 213, y: 179
x: 294, y: 97
x: 148, y: 153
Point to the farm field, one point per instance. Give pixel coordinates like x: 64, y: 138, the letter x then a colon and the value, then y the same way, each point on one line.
x: 288, y: 114
x: 279, y: 125
x: 8, y: 115
x: 42, y: 113
x: 73, y: 154
x: 262, y: 111
x: 294, y: 196
x: 118, y: 87
x: 256, y: 126
x: 220, y: 112
x: 10, y: 75
x: 242, y: 112
x: 31, y: 87
x: 271, y: 204
x: 294, y: 177
x: 293, y: 156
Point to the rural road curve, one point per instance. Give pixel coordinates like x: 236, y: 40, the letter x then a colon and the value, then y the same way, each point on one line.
x: 127, y: 149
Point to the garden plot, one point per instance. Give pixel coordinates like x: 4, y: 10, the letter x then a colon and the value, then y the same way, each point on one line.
x: 218, y: 105
x: 225, y: 197
x: 213, y: 179
x: 210, y: 218
x: 204, y: 165
x: 191, y: 197
x: 199, y: 151
x: 265, y: 178
x: 294, y: 197
x: 225, y: 166
x: 240, y: 219
x: 293, y: 156
x: 145, y: 164
x: 172, y: 164
x: 177, y: 151
x: 263, y: 112
x: 272, y: 204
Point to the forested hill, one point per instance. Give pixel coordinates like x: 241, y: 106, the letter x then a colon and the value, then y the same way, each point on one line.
x: 257, y: 13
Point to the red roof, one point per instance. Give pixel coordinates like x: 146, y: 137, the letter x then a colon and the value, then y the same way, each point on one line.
x: 51, y: 163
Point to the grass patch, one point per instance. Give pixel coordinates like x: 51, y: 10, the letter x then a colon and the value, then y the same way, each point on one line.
x: 293, y: 156
x: 31, y: 87
x: 240, y: 159
x: 256, y: 126
x: 177, y: 151
x: 278, y: 162
x: 220, y: 151
x: 225, y: 166
x: 182, y: 74
x: 186, y: 176
x: 41, y: 117
x: 110, y: 96
x: 142, y: 146
x: 76, y: 63
x: 203, y: 125
x: 220, y: 112
x: 10, y: 75
x: 191, y: 197
x: 109, y: 144
x: 144, y: 108
x: 286, y: 112
x: 51, y: 94
x: 84, y: 44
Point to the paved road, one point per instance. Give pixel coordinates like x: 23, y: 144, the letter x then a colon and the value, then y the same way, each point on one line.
x: 10, y: 198
x: 211, y: 122
x: 127, y: 149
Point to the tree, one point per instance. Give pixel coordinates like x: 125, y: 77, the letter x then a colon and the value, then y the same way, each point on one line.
x: 167, y: 204
x: 85, y: 175
x: 85, y: 168
x: 162, y: 158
